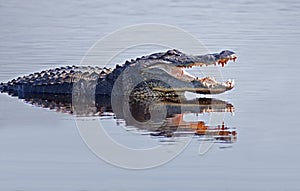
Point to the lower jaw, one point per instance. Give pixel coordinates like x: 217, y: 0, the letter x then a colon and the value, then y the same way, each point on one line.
x: 195, y: 90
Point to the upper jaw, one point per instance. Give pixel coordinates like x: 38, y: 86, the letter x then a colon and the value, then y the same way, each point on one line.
x: 210, y: 59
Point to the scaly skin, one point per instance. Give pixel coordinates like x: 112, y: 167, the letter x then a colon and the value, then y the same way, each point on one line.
x: 168, y: 66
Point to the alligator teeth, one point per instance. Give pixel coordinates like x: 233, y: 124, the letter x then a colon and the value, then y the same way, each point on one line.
x: 230, y: 83
x: 223, y: 61
x: 230, y: 109
x: 233, y: 57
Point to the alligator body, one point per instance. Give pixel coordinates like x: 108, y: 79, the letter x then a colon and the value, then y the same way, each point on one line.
x: 155, y: 71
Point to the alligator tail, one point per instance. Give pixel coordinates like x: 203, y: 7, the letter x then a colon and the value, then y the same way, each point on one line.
x: 3, y: 87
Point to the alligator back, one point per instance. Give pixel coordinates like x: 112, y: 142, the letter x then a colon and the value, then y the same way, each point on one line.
x: 54, y: 81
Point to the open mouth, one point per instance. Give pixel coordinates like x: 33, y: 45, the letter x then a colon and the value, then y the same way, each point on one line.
x: 203, y: 85
x: 208, y: 82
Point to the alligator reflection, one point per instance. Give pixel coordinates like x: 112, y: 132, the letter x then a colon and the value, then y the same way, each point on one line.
x: 159, y: 117
x: 175, y: 124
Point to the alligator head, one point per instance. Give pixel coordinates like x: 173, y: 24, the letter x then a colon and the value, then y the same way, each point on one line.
x: 169, y: 68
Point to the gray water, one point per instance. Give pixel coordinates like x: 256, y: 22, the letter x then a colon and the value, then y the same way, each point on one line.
x: 42, y: 149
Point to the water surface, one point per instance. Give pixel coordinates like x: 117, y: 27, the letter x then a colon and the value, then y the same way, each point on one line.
x: 41, y: 149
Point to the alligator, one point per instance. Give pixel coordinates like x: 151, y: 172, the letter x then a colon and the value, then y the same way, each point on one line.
x: 155, y: 71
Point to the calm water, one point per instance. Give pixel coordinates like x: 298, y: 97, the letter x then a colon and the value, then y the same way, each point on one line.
x: 42, y: 149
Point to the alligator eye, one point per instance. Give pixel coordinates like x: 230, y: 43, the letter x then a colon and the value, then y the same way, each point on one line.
x: 170, y: 52
x: 226, y: 53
